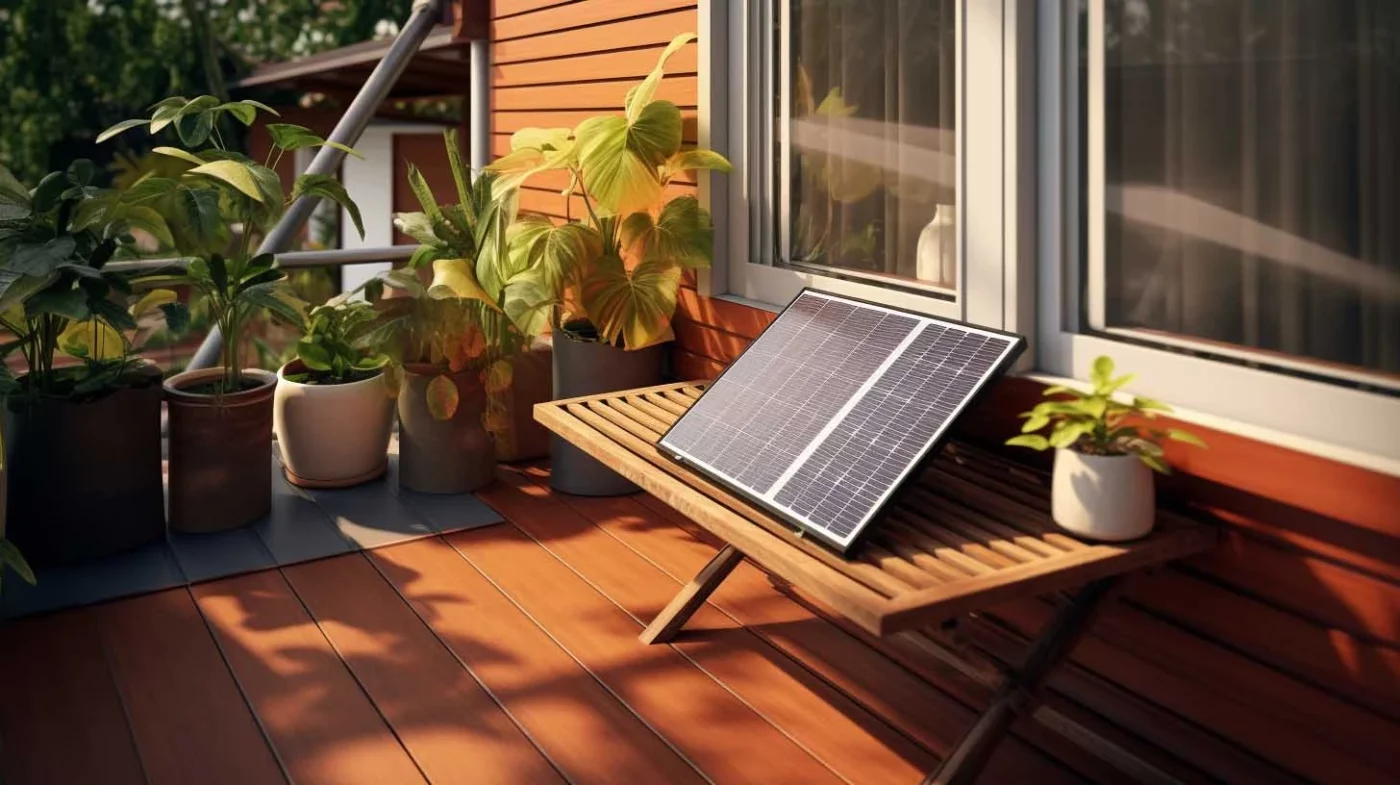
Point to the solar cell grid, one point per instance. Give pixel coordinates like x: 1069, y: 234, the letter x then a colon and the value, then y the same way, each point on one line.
x: 833, y: 405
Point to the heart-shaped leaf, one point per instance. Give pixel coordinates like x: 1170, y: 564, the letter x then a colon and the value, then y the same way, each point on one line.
x: 634, y: 306
x: 682, y: 234
x: 620, y: 158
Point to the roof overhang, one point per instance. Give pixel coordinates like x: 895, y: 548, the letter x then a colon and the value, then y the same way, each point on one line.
x: 438, y: 69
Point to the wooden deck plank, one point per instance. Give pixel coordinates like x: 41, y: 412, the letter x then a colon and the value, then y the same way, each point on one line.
x: 437, y: 709
x: 189, y: 720
x: 568, y: 713
x: 323, y: 726
x: 855, y: 744
x: 57, y: 696
x: 722, y: 735
x: 907, y: 703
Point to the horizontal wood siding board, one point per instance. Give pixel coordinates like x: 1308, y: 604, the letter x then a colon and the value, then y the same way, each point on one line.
x: 716, y: 344
x: 731, y: 317
x: 631, y: 64
x: 504, y: 8
x: 507, y: 123
x: 689, y: 365
x: 593, y: 96
x: 646, y: 31
x: 588, y: 13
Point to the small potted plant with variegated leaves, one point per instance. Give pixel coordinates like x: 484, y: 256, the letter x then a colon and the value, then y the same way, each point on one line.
x: 1105, y: 454
x: 332, y: 412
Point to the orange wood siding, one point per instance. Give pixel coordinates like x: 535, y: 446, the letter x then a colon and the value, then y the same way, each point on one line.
x: 556, y: 64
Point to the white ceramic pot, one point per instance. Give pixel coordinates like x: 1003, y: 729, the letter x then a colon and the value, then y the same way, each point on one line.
x: 332, y: 435
x: 1102, y: 497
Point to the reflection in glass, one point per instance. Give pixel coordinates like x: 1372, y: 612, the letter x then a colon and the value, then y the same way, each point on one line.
x: 1252, y: 175
x: 871, y: 102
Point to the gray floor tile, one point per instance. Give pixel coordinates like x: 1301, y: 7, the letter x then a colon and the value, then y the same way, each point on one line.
x: 143, y: 570
x: 371, y: 515
x: 297, y: 529
x: 205, y: 557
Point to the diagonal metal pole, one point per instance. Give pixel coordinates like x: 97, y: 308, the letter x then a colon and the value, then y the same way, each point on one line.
x: 422, y: 20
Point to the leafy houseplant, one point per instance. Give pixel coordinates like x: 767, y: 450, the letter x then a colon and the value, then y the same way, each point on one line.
x: 1105, y: 454
x: 334, y: 383
x: 77, y: 322
x: 607, y: 285
x: 221, y: 418
x: 451, y: 340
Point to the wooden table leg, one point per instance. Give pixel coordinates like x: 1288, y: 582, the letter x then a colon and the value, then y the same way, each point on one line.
x: 1020, y: 688
x: 669, y: 622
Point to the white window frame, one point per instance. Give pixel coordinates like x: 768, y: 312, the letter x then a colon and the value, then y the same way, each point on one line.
x: 1338, y: 422
x: 732, y: 83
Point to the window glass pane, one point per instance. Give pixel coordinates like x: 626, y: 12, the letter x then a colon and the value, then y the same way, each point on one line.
x: 870, y: 176
x: 1252, y: 176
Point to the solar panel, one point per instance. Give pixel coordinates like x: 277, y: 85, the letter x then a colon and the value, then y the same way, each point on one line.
x: 839, y: 400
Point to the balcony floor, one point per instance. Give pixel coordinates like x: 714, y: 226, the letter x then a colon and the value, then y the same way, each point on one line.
x: 505, y: 654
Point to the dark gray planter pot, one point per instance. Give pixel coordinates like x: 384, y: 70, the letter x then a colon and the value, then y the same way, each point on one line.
x: 444, y: 456
x: 590, y: 368
x: 84, y: 479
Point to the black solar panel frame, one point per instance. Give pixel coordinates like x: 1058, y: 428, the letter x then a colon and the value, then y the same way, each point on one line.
x: 1018, y: 345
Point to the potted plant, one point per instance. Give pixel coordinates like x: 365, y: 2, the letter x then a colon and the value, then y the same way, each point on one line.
x: 1105, y: 453
x: 331, y: 411
x: 83, y: 420
x: 10, y: 556
x: 451, y: 340
x: 606, y: 285
x: 220, y: 428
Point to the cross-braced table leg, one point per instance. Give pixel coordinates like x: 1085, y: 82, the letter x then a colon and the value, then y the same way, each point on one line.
x: 670, y: 621
x: 1021, y: 687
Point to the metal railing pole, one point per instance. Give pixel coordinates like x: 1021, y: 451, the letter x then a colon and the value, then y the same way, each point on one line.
x: 479, y: 114
x: 425, y: 16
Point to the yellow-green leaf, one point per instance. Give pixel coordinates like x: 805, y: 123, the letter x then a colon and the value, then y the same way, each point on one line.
x: 235, y: 174
x: 636, y: 306
x: 175, y: 152
x: 682, y: 234
x: 91, y: 339
x: 151, y: 301
x: 498, y: 377
x: 1187, y: 437
x: 455, y: 278
x: 1102, y: 371
x: 442, y: 398
x: 1033, y: 441
x: 639, y: 97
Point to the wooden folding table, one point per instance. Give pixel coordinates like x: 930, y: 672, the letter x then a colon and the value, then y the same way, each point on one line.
x: 970, y: 532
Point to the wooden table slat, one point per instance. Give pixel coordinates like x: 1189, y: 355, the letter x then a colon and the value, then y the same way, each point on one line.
x: 971, y: 531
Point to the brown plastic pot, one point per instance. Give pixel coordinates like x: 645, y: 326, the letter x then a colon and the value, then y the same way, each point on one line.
x: 444, y: 456
x: 84, y: 477
x: 220, y: 452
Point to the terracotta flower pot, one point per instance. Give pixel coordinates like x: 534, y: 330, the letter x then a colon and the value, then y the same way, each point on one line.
x: 84, y: 477
x: 220, y: 452
x: 590, y: 368
x: 332, y: 435
x: 1102, y: 497
x: 444, y: 456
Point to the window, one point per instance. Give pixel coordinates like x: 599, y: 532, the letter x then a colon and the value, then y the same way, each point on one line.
x: 848, y: 115
x: 1218, y: 186
x: 1243, y: 181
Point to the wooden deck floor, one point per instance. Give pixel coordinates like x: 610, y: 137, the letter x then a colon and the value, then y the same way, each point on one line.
x: 502, y: 655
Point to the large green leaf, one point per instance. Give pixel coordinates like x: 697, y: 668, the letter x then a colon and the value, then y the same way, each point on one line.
x: 236, y: 174
x: 455, y: 278
x: 9, y: 182
x: 620, y: 158
x: 149, y: 188
x: 118, y: 128
x: 175, y: 152
x: 277, y: 298
x: 294, y: 137
x: 40, y: 259
x: 461, y: 176
x: 641, y: 95
x: 682, y: 234
x: 529, y: 303
x: 635, y: 306
x: 68, y: 303
x: 198, y: 224
x: 533, y: 150
x: 697, y: 160
x: 326, y: 186
x: 15, y: 287
x: 146, y: 219
x: 557, y: 252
